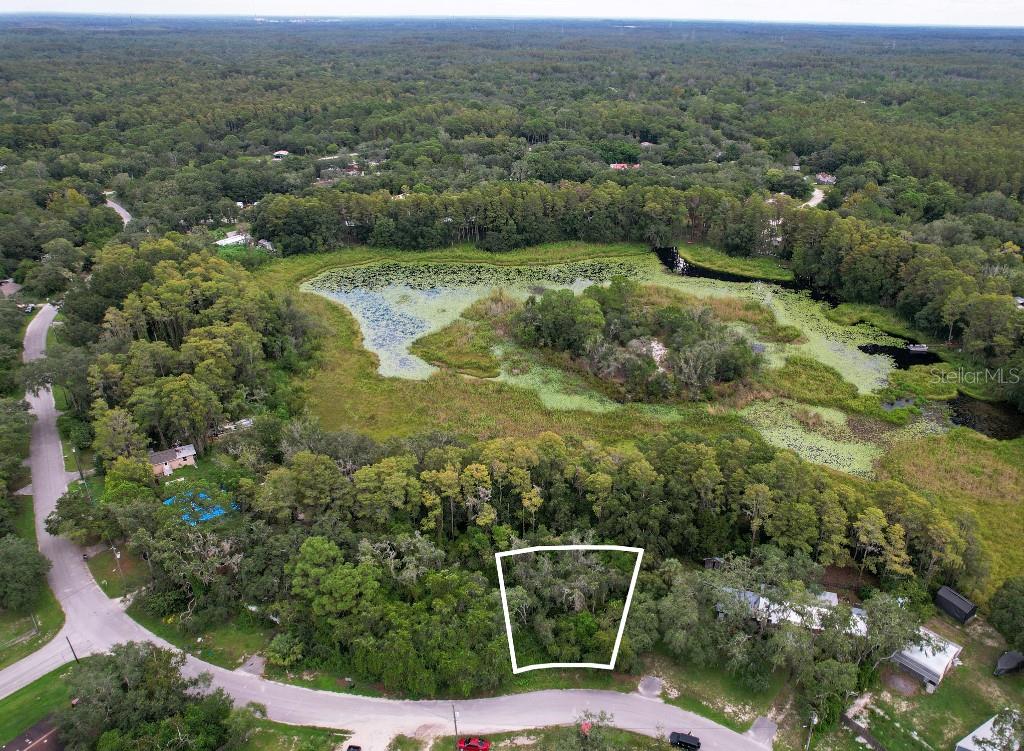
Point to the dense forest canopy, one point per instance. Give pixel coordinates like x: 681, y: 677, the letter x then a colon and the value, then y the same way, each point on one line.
x: 376, y: 557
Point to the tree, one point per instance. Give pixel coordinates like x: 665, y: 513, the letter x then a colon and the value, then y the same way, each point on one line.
x: 136, y: 696
x: 1007, y: 611
x: 25, y: 570
x: 1007, y: 731
x: 117, y: 435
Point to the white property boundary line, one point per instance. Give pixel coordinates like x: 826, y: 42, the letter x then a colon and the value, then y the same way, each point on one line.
x: 622, y: 623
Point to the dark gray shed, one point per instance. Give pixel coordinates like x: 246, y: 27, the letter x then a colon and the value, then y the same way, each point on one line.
x: 955, y: 605
x: 1009, y: 662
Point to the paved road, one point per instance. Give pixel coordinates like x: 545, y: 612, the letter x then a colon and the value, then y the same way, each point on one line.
x: 121, y: 210
x: 816, y: 197
x: 94, y: 623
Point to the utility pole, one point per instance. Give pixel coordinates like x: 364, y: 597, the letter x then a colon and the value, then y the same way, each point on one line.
x: 72, y: 650
x: 455, y: 719
x: 810, y: 729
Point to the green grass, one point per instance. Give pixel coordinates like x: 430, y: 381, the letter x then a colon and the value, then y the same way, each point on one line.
x: 755, y: 267
x: 463, y: 346
x: 966, y: 471
x: 405, y: 743
x: 117, y: 581
x: 883, y: 319
x: 809, y: 381
x: 550, y: 739
x: 22, y: 633
x: 27, y: 706
x: 274, y: 736
x: 712, y: 692
x: 226, y: 645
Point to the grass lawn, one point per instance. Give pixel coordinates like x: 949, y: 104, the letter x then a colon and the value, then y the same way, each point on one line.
x: 548, y: 739
x: 27, y: 706
x: 966, y: 471
x: 23, y: 633
x: 755, y: 267
x: 967, y: 697
x: 226, y: 645
x: 712, y: 692
x: 273, y: 736
x: 346, y: 391
x: 118, y: 581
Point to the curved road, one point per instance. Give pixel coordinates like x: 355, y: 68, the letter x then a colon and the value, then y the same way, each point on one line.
x: 94, y: 623
x: 121, y: 210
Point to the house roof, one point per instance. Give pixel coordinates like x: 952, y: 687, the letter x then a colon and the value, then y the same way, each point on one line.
x: 955, y: 603
x: 983, y: 732
x: 933, y: 658
x: 169, y: 455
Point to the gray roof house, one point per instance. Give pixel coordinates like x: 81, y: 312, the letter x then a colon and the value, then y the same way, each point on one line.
x: 931, y: 660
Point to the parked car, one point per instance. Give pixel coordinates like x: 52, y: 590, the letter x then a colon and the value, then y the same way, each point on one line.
x: 474, y: 744
x: 684, y: 740
x: 354, y: 748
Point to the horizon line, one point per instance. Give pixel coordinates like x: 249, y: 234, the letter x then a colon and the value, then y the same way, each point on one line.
x: 256, y: 17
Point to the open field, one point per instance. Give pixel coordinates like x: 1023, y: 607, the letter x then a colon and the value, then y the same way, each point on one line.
x: 118, y: 577
x: 226, y: 645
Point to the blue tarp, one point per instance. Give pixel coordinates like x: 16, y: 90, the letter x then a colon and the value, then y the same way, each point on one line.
x: 203, y: 513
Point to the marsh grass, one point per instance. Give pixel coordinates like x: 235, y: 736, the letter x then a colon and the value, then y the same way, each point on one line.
x: 964, y: 471
x: 755, y: 267
x: 883, y: 319
x: 804, y: 379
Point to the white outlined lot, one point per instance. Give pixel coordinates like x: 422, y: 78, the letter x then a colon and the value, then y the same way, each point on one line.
x: 639, y: 552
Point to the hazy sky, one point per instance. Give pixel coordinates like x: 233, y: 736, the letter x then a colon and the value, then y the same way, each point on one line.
x: 922, y: 12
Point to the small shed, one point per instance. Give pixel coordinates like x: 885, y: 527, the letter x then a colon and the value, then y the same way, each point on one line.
x: 1009, y: 662
x: 930, y: 661
x: 714, y: 563
x: 955, y: 605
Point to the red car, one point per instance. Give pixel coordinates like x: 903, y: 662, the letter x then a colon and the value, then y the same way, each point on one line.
x: 474, y: 744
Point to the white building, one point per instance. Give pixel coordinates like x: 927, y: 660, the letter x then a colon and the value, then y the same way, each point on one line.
x: 233, y: 238
x: 931, y: 660
x: 982, y: 733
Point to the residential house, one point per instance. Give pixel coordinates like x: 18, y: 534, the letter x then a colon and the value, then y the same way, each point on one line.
x: 931, y: 660
x: 166, y: 461
x: 233, y: 238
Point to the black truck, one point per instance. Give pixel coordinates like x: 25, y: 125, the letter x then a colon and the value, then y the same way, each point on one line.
x: 684, y: 740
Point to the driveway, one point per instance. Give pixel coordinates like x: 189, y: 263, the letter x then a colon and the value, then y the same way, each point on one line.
x: 94, y: 623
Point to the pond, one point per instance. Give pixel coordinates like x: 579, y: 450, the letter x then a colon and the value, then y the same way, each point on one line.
x: 397, y: 303
x: 902, y: 357
x: 1000, y: 420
